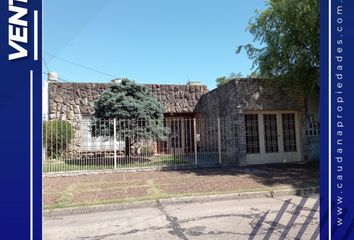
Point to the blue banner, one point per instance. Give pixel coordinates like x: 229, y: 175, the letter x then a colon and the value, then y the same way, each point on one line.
x: 20, y: 115
x: 340, y: 207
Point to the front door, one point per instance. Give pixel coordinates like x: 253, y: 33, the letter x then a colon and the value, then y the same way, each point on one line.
x: 272, y: 137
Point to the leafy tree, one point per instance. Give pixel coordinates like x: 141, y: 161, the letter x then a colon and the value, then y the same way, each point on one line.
x: 139, y: 115
x: 289, y: 30
x: 223, y: 80
x: 254, y: 74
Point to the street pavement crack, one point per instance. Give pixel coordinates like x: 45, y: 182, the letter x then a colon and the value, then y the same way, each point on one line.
x: 177, y: 230
x: 247, y: 216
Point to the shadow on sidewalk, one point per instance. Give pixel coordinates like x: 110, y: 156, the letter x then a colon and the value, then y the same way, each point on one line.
x: 296, y: 175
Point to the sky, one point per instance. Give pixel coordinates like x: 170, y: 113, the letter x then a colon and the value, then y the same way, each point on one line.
x: 155, y: 41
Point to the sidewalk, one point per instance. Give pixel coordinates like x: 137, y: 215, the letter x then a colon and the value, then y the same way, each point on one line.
x: 127, y: 187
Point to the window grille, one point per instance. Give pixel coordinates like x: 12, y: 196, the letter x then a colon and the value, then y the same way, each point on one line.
x: 270, y: 133
x: 289, y: 134
x: 252, y: 136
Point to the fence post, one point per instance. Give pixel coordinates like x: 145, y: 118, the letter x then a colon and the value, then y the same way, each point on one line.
x: 219, y: 141
x: 195, y: 141
x: 115, y: 142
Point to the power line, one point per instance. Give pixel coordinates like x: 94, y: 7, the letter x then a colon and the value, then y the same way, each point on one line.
x: 82, y: 66
x: 46, y: 65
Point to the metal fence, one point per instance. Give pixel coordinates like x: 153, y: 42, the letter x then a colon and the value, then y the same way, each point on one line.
x: 114, y: 144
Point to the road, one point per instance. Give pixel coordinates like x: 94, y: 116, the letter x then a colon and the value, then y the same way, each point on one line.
x: 288, y: 217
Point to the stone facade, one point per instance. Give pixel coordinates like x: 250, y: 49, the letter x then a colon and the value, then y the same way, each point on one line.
x: 235, y: 98
x: 70, y: 101
x: 230, y: 102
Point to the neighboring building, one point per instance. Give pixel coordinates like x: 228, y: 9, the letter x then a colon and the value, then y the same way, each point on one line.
x: 260, y: 124
x: 272, y: 124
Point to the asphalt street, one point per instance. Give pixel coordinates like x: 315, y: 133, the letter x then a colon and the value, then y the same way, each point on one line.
x: 287, y: 217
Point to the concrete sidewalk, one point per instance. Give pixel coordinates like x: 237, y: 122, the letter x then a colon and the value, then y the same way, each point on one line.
x: 285, y: 217
x: 131, y: 187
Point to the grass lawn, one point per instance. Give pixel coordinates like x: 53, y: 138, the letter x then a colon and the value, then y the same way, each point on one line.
x: 64, y: 166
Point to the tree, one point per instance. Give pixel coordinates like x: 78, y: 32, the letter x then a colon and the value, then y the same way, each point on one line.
x: 254, y: 74
x: 289, y: 30
x: 223, y: 80
x: 139, y: 115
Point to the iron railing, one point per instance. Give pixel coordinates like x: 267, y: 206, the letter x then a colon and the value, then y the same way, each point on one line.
x: 115, y: 144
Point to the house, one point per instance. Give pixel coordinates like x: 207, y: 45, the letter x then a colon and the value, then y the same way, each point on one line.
x: 73, y: 102
x: 243, y: 122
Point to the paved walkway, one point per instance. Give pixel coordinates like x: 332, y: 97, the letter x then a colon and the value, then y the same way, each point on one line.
x: 122, y: 187
x: 290, y: 217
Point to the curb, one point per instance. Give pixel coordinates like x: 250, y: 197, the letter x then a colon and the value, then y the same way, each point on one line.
x: 179, y: 200
x: 119, y: 170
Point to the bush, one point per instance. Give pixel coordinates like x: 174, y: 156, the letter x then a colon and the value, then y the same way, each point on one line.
x: 57, y: 136
x: 147, y: 150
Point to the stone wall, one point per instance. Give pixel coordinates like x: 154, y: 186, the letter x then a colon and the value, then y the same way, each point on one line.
x: 70, y: 101
x: 178, y: 98
x: 238, y: 96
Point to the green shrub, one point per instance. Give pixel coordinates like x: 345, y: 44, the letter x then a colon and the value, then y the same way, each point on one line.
x: 57, y: 136
x: 147, y: 150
